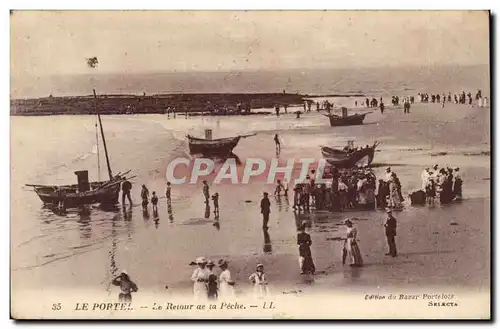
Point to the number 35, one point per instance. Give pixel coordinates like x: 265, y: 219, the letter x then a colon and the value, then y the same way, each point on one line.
x: 56, y: 307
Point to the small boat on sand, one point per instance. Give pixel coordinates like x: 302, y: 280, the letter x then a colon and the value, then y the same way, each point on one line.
x: 85, y: 192
x: 349, y: 157
x: 213, y: 147
x: 346, y: 120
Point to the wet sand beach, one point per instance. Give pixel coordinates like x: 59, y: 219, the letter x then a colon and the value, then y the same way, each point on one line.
x: 445, y: 246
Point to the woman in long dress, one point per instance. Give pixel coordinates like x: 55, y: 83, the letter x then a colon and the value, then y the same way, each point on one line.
x: 305, y: 257
x: 259, y: 280
x: 200, y: 279
x: 351, y: 251
x: 395, y: 201
x: 457, y: 186
x: 226, y: 283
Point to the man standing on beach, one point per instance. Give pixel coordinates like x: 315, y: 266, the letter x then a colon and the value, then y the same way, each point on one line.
x: 390, y: 233
x: 206, y: 191
x: 126, y: 187
x: 278, y: 144
x: 265, y: 210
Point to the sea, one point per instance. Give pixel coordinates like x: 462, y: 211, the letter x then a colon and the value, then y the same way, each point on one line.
x: 87, y: 247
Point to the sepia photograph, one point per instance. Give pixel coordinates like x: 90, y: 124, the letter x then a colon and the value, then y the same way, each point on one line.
x: 258, y: 164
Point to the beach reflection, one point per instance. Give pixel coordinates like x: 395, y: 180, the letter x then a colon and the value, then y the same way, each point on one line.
x: 169, y: 211
x: 267, y: 242
x: 207, y: 211
x: 217, y: 223
x: 84, y: 223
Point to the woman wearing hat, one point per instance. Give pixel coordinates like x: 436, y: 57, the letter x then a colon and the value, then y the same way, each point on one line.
x: 200, y: 279
x: 212, y: 281
x: 305, y: 258
x: 259, y: 280
x: 226, y: 283
x: 127, y: 286
x: 351, y: 250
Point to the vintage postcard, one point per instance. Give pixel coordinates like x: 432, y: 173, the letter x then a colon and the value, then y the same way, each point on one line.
x: 250, y: 165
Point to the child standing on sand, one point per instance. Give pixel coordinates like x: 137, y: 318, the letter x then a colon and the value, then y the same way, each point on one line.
x: 259, y: 280
x: 154, y: 201
x: 215, y: 199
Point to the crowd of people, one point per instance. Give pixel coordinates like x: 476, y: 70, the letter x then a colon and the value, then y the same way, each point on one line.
x: 460, y: 98
x: 445, y: 183
x: 353, y: 188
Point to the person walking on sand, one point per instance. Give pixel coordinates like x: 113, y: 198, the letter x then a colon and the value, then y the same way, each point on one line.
x: 390, y: 233
x: 215, y: 199
x: 259, y: 280
x: 278, y: 144
x: 381, y: 106
x: 305, y: 257
x: 168, y: 193
x: 200, y: 279
x: 127, y: 287
x: 206, y: 191
x: 350, y: 250
x: 126, y: 187
x: 154, y: 202
x: 226, y: 282
x: 279, y: 188
x: 144, y: 196
x: 265, y: 210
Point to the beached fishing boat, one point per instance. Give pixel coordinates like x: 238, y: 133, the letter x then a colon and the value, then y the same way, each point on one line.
x: 346, y: 120
x: 349, y: 158
x: 85, y: 192
x: 213, y: 147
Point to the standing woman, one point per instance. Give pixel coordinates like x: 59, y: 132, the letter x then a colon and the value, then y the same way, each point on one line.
x: 394, y: 193
x: 305, y: 257
x: 226, y: 283
x: 126, y: 285
x: 351, y: 250
x: 200, y: 279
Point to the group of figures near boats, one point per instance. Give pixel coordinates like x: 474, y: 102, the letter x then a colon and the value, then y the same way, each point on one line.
x: 345, y: 189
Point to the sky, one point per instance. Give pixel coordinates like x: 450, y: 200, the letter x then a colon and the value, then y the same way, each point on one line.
x: 45, y: 43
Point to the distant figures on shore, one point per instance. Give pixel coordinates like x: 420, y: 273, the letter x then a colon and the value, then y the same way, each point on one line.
x: 459, y: 98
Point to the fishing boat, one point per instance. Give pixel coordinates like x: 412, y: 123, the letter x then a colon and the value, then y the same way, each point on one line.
x: 349, y: 157
x: 213, y: 147
x: 84, y: 192
x: 346, y: 120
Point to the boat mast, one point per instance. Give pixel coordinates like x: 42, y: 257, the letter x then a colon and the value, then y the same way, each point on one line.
x: 98, y: 157
x: 103, y: 139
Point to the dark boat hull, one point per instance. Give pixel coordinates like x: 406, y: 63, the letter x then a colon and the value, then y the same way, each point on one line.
x: 350, y: 120
x: 342, y: 159
x: 216, y: 147
x: 72, y: 198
